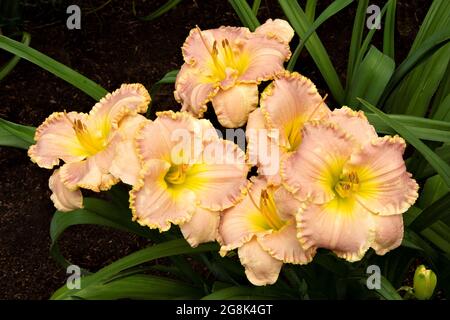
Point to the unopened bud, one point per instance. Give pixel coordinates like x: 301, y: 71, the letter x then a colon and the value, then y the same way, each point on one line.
x: 424, y: 283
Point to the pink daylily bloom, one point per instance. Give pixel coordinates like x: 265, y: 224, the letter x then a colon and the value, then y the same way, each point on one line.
x: 225, y: 66
x: 275, y: 129
x: 262, y: 228
x: 189, y: 175
x: 355, y: 183
x: 87, y: 143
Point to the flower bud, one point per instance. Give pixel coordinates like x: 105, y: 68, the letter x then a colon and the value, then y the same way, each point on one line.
x: 424, y: 283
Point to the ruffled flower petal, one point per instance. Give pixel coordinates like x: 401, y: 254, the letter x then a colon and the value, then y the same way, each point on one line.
x: 198, y: 45
x: 179, y: 138
x: 219, y: 179
x: 263, y: 148
x: 129, y: 99
x: 341, y: 225
x: 63, y: 198
x: 284, y: 245
x: 385, y: 187
x: 192, y: 91
x: 312, y: 171
x: 278, y: 28
x: 92, y: 173
x: 389, y: 233
x: 288, y: 103
x: 203, y: 227
x: 355, y: 123
x: 56, y: 139
x: 154, y: 204
x: 236, y: 224
x: 260, y: 267
x: 126, y: 164
x: 266, y: 57
x: 232, y: 106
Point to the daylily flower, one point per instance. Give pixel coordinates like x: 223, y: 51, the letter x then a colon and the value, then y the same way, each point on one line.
x: 262, y: 228
x: 355, y: 183
x: 225, y: 66
x: 88, y: 144
x: 189, y: 175
x: 275, y: 129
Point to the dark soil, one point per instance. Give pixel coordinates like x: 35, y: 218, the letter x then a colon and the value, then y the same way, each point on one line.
x: 112, y: 47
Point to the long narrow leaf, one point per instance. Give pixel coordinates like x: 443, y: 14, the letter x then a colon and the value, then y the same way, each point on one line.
x: 245, y: 13
x: 301, y: 25
x: 389, y: 30
x: 161, y: 10
x: 330, y: 11
x: 16, y: 135
x: 7, y: 68
x: 441, y: 167
x: 74, y: 78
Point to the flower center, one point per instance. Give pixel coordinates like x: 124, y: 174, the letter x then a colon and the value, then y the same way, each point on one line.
x: 92, y: 141
x: 347, y: 184
x: 225, y: 59
x: 269, y: 212
x: 176, y: 174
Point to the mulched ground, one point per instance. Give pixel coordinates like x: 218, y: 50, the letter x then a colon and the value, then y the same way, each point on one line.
x: 112, y: 47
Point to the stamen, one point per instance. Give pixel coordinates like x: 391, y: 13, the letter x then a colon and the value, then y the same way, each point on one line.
x: 203, y: 39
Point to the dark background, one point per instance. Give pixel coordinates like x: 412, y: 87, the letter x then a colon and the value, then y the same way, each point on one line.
x: 115, y: 47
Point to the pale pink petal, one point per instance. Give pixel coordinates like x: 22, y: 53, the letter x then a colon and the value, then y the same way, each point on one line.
x: 266, y: 57
x: 129, y: 99
x: 283, y: 245
x: 92, y: 173
x: 236, y: 224
x: 260, y: 267
x: 56, y: 139
x: 389, y: 233
x: 385, y: 187
x: 196, y: 51
x: 312, y: 171
x: 193, y: 91
x: 203, y: 227
x: 263, y: 148
x: 156, y: 205
x: 232, y: 106
x: 126, y: 164
x: 341, y: 225
x: 355, y: 123
x: 219, y: 178
x: 288, y: 103
x: 174, y: 137
x: 63, y: 198
x: 287, y: 204
x: 277, y: 28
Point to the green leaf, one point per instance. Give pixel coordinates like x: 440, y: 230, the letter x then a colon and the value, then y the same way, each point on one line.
x: 434, y: 212
x: 245, y: 13
x: 161, y: 10
x: 97, y: 212
x: 169, y: 78
x: 301, y: 25
x: 310, y: 9
x: 443, y: 110
x: 371, y: 77
x: 74, y: 78
x: 441, y: 167
x: 166, y: 249
x: 357, y: 33
x: 387, y: 291
x: 255, y: 6
x: 414, y: 93
x: 423, y: 128
x: 16, y: 135
x: 439, y: 234
x: 138, y: 287
x: 433, y: 189
x: 389, y: 30
x: 7, y: 68
x: 330, y: 11
x: 444, y: 153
